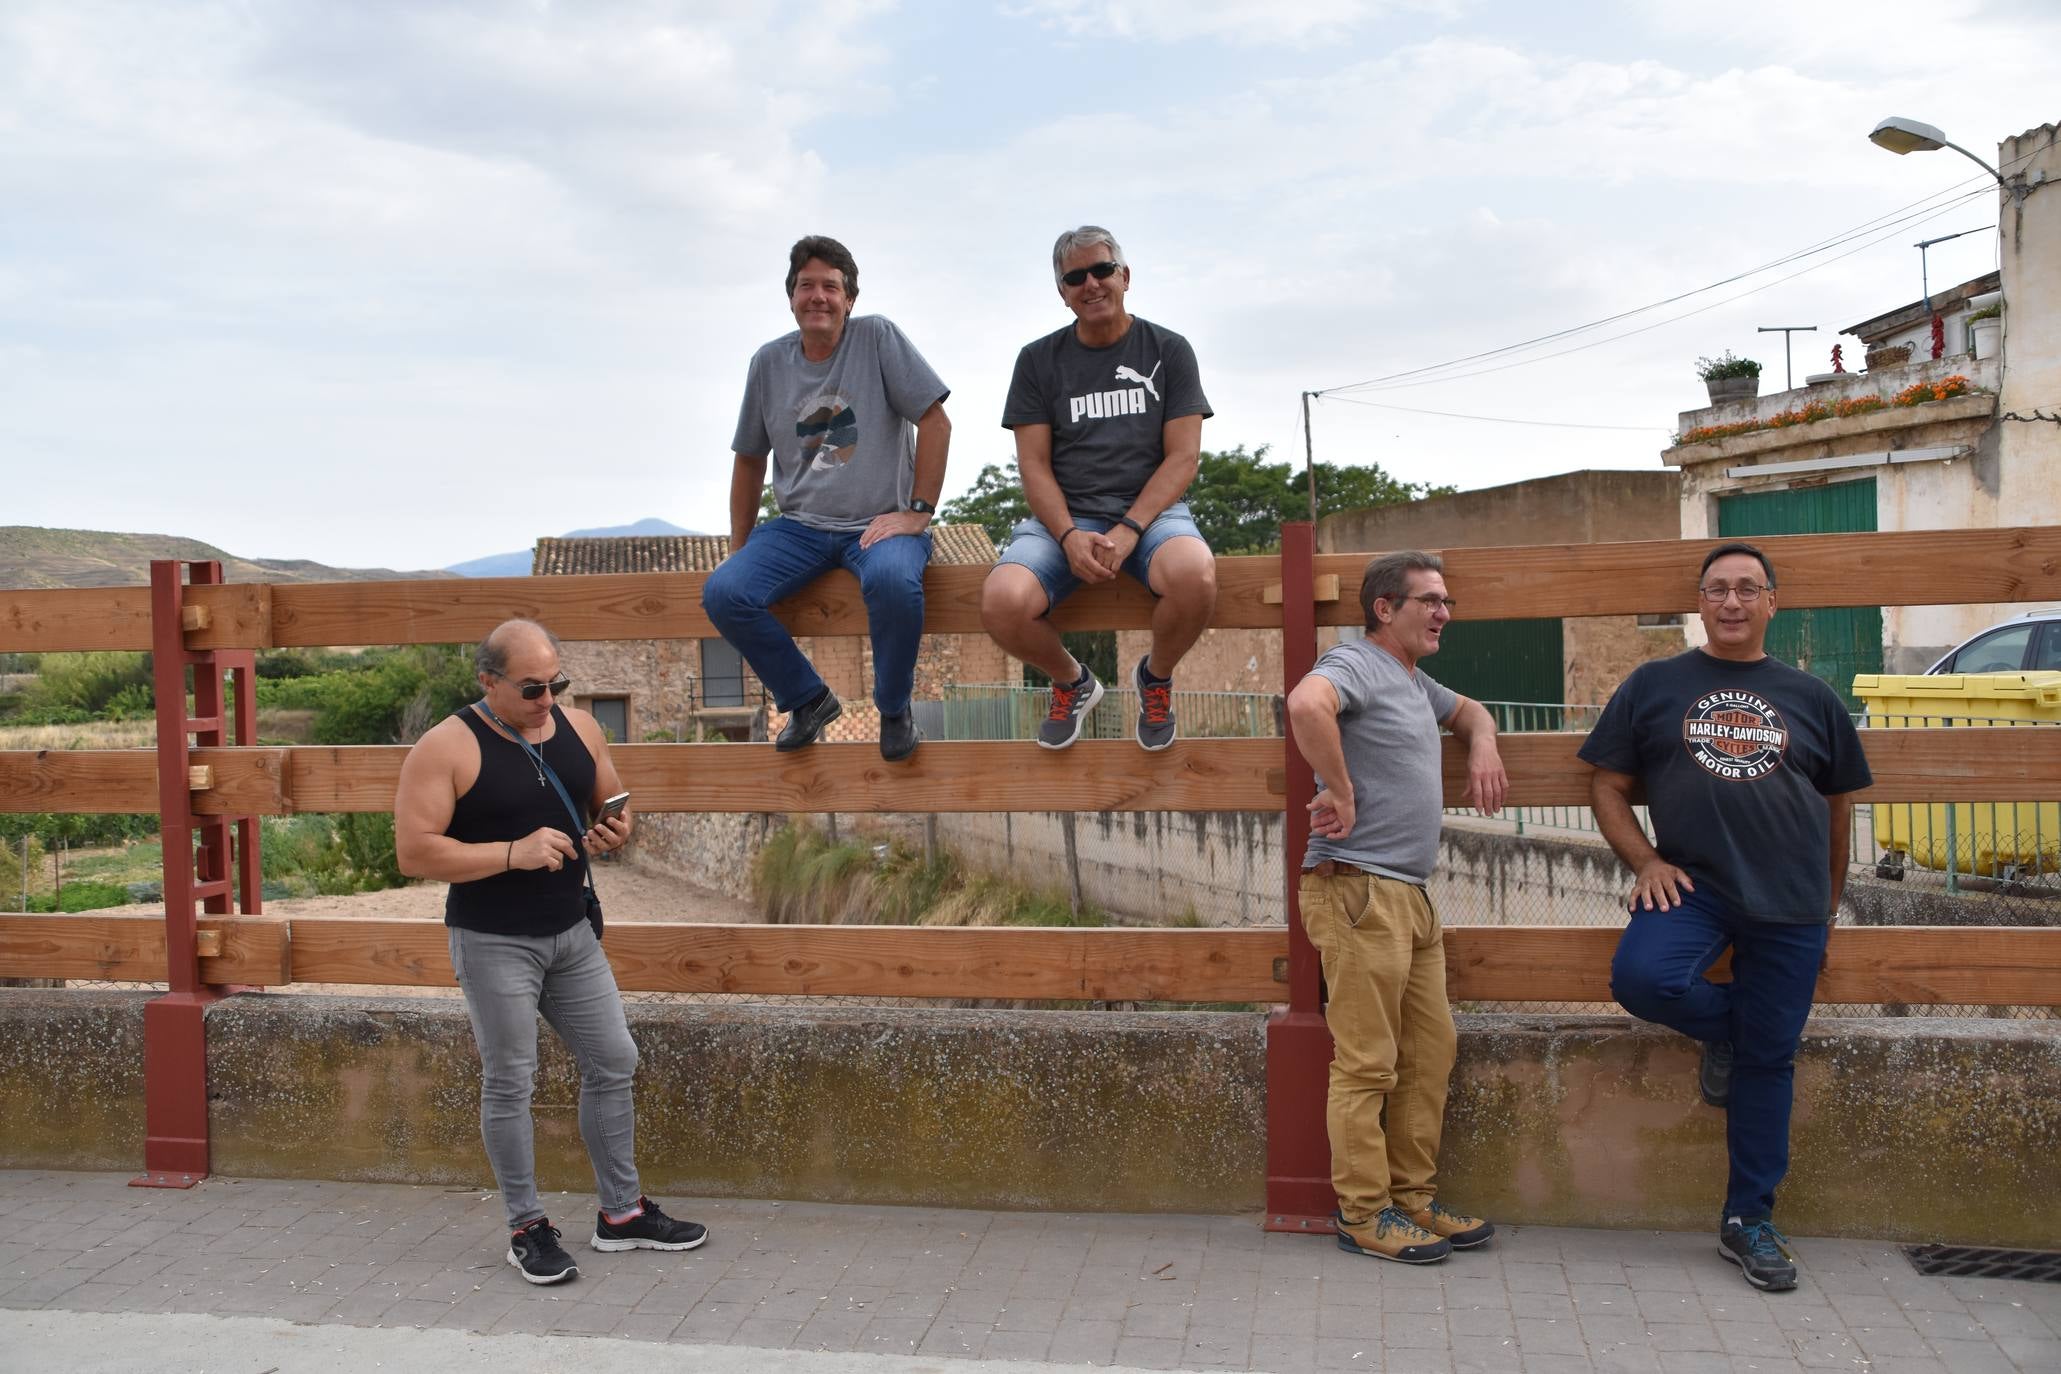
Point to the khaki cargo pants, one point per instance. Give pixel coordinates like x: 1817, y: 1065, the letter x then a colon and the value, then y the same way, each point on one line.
x: 1385, y: 969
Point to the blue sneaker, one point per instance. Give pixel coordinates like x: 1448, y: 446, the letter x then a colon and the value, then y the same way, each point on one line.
x: 1760, y: 1251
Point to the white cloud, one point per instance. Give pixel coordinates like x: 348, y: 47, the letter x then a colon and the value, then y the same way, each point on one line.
x: 1246, y: 21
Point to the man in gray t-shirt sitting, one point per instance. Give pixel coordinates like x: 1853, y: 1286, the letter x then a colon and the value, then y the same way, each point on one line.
x: 1108, y: 418
x: 1367, y: 719
x: 854, y: 419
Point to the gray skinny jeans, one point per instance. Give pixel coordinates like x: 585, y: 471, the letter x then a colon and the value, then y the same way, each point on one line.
x: 507, y: 980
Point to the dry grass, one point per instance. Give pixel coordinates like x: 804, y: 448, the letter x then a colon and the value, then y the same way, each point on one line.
x: 290, y: 726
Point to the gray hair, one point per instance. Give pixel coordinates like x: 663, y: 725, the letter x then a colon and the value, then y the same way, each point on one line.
x: 492, y: 654
x: 1388, y: 577
x: 1087, y: 236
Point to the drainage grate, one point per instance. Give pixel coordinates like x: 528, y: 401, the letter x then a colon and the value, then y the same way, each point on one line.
x: 1973, y: 1262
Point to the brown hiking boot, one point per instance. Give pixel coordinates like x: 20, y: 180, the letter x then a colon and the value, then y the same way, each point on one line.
x: 1463, y: 1231
x: 1390, y: 1235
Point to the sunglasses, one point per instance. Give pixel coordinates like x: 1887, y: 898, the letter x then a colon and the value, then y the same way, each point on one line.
x: 532, y: 690
x: 1101, y: 271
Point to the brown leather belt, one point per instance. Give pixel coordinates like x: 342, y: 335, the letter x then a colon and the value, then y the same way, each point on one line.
x: 1332, y: 868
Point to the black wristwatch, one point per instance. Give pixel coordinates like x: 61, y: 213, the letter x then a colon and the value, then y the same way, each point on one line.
x: 921, y: 506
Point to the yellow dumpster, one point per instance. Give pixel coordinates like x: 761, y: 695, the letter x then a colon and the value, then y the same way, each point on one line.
x: 2010, y: 840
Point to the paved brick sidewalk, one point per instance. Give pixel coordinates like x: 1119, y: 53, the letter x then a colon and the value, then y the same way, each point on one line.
x: 1164, y: 1292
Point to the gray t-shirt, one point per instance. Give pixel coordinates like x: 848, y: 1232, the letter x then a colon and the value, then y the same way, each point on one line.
x: 1107, y: 407
x: 841, y: 432
x: 1388, y: 719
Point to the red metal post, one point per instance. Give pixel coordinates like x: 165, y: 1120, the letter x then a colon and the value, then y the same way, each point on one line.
x: 1299, y: 1196
x: 175, y: 1144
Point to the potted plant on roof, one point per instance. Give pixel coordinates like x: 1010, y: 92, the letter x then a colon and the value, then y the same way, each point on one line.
x: 1729, y: 378
x: 1986, y: 330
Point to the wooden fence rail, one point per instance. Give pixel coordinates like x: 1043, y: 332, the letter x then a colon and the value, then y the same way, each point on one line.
x: 1898, y: 568
x: 1919, y: 765
x: 1912, y: 964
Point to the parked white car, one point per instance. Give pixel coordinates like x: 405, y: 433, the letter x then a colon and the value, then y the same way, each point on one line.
x: 2029, y: 643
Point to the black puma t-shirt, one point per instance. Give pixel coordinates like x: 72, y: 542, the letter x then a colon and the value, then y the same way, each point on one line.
x: 1737, y: 760
x: 1107, y: 407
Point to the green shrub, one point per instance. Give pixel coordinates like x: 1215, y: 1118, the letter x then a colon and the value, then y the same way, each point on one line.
x: 81, y: 897
x: 367, y: 839
x: 1719, y: 368
x: 85, y: 682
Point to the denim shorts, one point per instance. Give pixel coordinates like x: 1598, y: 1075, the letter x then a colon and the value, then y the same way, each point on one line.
x: 1032, y: 546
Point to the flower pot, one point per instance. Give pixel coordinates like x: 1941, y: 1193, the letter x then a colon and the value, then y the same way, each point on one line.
x: 1989, y: 336
x: 1723, y: 389
x: 1879, y: 358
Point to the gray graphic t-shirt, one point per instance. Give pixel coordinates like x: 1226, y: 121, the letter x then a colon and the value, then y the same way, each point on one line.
x: 1107, y: 408
x: 1388, y: 719
x: 841, y: 432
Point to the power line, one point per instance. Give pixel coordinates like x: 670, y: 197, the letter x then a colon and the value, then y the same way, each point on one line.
x: 1398, y: 383
x: 1835, y: 240
x: 1499, y: 419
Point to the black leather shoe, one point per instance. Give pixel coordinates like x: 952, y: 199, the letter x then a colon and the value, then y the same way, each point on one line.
x: 808, y: 721
x: 899, y: 736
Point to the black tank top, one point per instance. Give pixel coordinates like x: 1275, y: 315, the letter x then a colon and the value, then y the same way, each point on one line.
x: 506, y: 802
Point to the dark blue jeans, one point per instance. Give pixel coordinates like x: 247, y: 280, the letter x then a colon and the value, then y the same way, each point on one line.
x: 1657, y: 974
x: 783, y: 556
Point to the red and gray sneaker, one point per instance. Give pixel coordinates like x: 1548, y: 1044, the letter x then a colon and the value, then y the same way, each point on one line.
x: 1155, y: 708
x: 537, y: 1255
x: 1071, y: 703
x: 650, y: 1229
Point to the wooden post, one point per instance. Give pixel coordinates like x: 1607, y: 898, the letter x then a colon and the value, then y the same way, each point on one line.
x: 1299, y: 1196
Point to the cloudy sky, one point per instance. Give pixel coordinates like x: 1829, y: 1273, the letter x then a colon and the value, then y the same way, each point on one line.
x: 404, y: 282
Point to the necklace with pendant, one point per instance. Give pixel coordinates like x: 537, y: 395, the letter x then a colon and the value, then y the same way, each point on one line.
x: 533, y: 752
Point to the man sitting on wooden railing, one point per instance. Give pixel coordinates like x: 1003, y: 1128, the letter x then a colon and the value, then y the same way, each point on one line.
x: 1746, y: 764
x: 485, y: 804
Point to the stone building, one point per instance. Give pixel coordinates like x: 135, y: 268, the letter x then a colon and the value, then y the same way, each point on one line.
x: 1978, y: 459
x: 688, y: 689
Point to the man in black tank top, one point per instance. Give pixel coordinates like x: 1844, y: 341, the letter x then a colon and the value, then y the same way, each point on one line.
x: 477, y: 809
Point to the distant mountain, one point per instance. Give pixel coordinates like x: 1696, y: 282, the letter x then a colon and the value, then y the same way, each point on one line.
x: 31, y: 556
x: 517, y: 564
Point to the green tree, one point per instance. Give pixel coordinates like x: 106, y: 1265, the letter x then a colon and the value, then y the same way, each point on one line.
x: 994, y: 502
x: 1240, y: 499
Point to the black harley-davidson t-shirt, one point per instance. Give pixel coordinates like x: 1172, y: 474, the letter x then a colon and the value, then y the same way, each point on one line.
x: 1737, y: 760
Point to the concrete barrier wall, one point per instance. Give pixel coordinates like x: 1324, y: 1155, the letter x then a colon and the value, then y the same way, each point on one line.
x: 1906, y: 1129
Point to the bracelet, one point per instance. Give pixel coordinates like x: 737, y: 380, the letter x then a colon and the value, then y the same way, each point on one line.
x: 1133, y: 526
x: 511, y: 857
x: 1070, y: 530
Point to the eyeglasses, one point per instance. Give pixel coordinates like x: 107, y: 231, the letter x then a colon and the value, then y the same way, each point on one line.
x: 1747, y: 592
x: 1431, y: 601
x: 1101, y: 271
x: 532, y: 690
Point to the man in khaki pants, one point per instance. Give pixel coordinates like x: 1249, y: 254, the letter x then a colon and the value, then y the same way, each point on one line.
x: 1368, y: 721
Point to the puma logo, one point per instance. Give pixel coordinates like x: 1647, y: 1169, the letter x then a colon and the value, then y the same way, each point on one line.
x: 1130, y: 374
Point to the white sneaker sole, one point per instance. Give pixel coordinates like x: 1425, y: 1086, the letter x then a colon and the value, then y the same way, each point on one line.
x: 528, y: 1277
x: 1080, y: 719
x: 639, y: 1244
x: 1765, y: 1285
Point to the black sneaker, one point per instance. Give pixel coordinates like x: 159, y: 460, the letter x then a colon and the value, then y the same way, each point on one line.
x: 537, y: 1255
x: 899, y: 737
x: 1155, y: 709
x: 807, y: 722
x: 1760, y: 1251
x: 1714, y: 1074
x: 1071, y: 703
x: 650, y: 1229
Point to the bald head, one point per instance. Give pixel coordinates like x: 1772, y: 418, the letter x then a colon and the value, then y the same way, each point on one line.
x: 512, y: 639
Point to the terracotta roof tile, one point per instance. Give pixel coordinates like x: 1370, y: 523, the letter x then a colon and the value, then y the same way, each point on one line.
x: 951, y: 544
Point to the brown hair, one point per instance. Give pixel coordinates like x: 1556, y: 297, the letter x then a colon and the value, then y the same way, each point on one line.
x: 1388, y: 577
x: 823, y: 249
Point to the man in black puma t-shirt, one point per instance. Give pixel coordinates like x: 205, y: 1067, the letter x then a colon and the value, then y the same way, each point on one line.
x: 1108, y: 417
x: 1748, y: 766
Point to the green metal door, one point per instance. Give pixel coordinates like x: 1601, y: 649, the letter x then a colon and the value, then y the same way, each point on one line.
x: 1502, y: 660
x: 1835, y: 643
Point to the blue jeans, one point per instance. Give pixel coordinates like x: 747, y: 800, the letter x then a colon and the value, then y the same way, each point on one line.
x: 507, y: 980
x: 783, y: 556
x: 1032, y: 546
x: 1657, y: 974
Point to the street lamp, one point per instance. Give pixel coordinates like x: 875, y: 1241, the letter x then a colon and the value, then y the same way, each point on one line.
x: 1901, y: 136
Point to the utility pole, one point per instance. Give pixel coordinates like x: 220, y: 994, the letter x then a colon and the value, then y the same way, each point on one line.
x: 1309, y: 454
x: 1785, y: 330
x: 1924, y: 276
